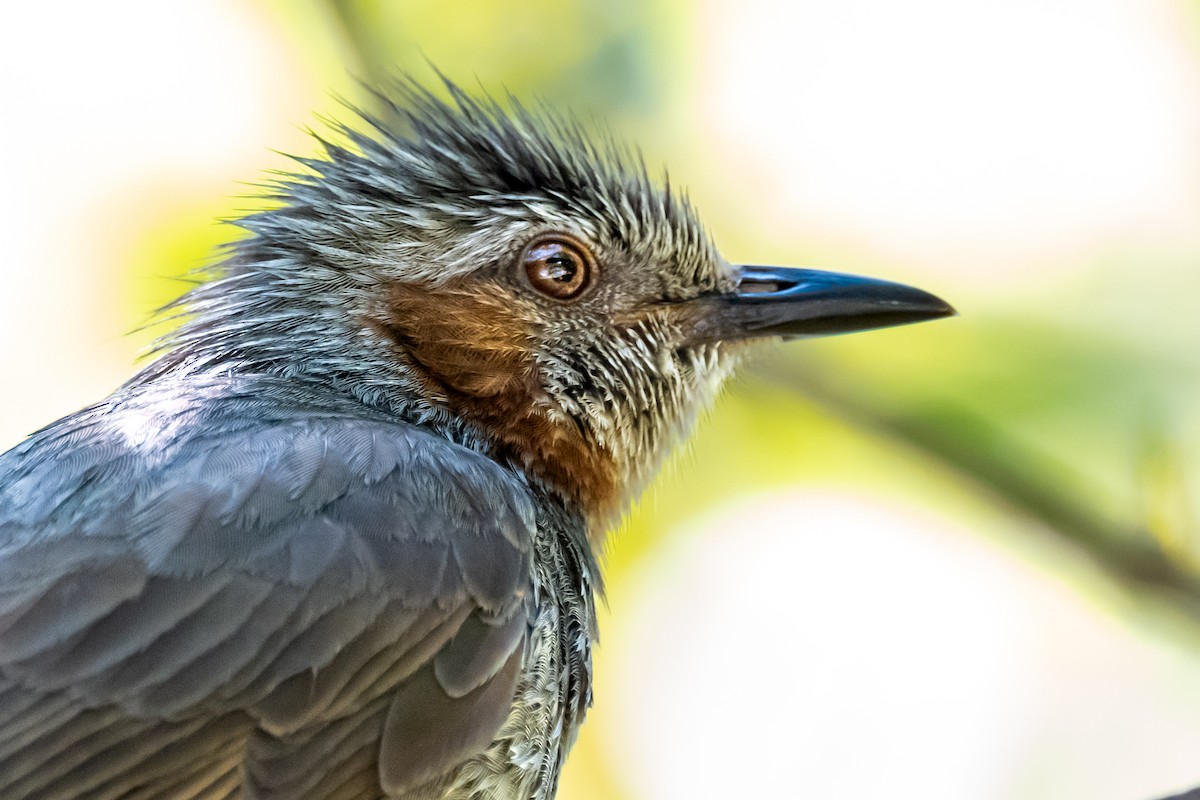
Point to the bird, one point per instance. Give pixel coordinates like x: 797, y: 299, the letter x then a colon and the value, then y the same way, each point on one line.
x: 339, y: 538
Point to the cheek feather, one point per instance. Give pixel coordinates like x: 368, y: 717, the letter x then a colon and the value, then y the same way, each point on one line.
x: 469, y: 341
x: 471, y: 348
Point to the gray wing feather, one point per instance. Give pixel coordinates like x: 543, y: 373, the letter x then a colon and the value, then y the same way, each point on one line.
x: 479, y: 649
x: 41, y: 615
x: 325, y: 588
x: 425, y: 727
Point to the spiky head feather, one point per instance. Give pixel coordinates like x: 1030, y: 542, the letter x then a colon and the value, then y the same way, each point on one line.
x: 386, y: 272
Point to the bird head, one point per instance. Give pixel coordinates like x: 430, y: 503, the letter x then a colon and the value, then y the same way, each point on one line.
x: 504, y: 276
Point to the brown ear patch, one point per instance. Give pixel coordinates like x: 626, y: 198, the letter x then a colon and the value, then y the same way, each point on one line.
x: 469, y: 340
x: 471, y: 345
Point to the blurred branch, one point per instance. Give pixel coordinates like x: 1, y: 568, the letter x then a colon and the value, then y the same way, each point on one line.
x: 1013, y: 475
x: 1167, y: 507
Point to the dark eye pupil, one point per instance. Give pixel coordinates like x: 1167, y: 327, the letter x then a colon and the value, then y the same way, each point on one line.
x: 561, y: 269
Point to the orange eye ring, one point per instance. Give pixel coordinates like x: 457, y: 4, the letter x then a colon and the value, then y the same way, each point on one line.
x: 558, y: 266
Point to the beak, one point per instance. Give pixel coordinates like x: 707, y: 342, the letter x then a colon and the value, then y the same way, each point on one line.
x: 793, y: 303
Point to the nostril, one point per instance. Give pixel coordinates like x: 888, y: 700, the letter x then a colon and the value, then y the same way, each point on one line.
x: 770, y: 280
x: 753, y: 286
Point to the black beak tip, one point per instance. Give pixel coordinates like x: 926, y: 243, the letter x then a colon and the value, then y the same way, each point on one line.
x: 936, y: 308
x: 899, y: 305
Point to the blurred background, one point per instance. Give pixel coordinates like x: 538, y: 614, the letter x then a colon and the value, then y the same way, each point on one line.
x: 965, y: 555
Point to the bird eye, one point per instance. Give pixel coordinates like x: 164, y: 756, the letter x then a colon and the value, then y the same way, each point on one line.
x: 558, y: 267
